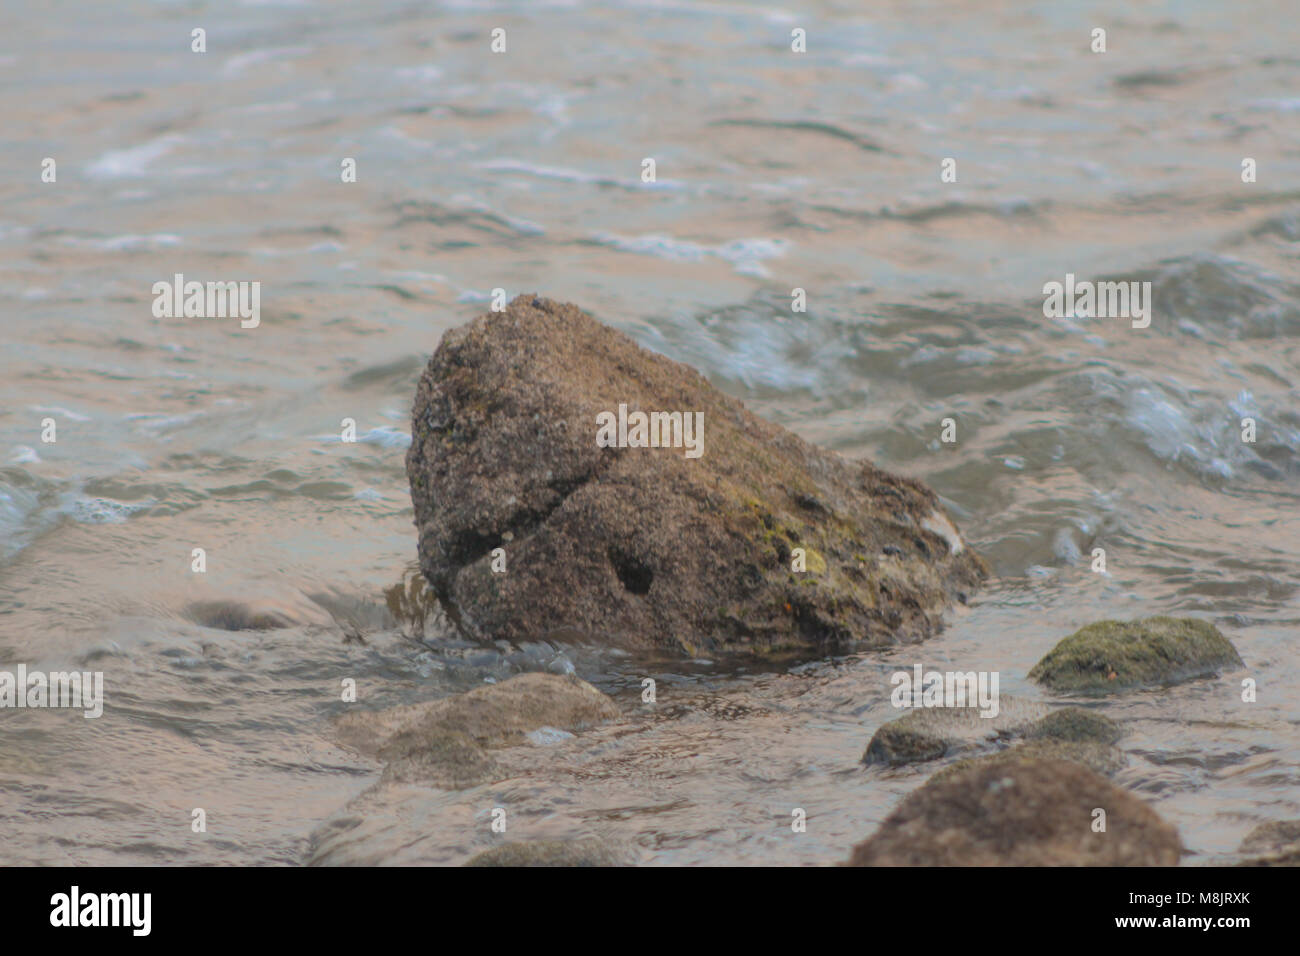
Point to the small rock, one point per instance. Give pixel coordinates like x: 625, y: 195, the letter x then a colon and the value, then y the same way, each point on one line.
x: 928, y: 733
x: 235, y: 616
x: 1076, y: 725
x: 1112, y: 656
x: 1028, y: 813
x: 1098, y: 757
x: 1276, y: 843
x: 584, y: 852
x: 446, y: 742
x: 1272, y: 837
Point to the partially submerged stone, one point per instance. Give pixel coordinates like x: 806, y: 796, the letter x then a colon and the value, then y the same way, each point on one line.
x: 589, y: 851
x: 1276, y: 843
x: 235, y: 616
x: 1111, y: 656
x: 447, y: 742
x: 528, y: 528
x: 1026, y: 813
x: 1074, y: 724
x: 1098, y: 757
x: 1071, y: 733
x: 1273, y: 837
x: 928, y: 733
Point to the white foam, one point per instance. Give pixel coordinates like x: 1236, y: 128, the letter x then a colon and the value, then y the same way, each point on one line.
x: 127, y: 243
x: 132, y: 162
x: 385, y: 436
x: 745, y: 255
x: 548, y: 736
x: 242, y: 61
x: 938, y: 523
x: 60, y: 410
x: 87, y: 510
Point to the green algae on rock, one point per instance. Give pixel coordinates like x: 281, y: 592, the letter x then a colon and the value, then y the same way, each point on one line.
x: 528, y: 529
x: 589, y: 851
x: 1273, y: 837
x: 1096, y: 756
x: 235, y: 616
x: 1111, y: 656
x: 928, y: 733
x: 1076, y: 725
x: 1276, y: 843
x: 447, y: 742
x: 1071, y: 733
x: 1020, y: 813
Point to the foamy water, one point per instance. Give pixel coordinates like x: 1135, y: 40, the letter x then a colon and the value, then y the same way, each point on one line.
x: 523, y: 171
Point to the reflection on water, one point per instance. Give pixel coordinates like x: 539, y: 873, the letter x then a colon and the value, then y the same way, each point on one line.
x: 775, y: 171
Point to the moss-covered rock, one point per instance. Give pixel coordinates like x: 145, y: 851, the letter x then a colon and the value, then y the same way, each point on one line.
x: 928, y: 733
x: 644, y: 546
x: 1071, y: 733
x: 1021, y: 813
x: 1272, y: 837
x: 1284, y: 858
x: 584, y: 852
x: 447, y: 742
x: 235, y: 616
x: 1112, y: 656
x: 1276, y: 843
x: 1074, y: 724
x: 1098, y: 757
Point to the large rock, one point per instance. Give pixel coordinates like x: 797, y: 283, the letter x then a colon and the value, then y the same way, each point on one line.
x: 1020, y: 813
x: 448, y: 742
x: 647, y: 546
x: 1112, y: 656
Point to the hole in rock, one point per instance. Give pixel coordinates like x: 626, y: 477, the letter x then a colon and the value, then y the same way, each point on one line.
x: 636, y: 577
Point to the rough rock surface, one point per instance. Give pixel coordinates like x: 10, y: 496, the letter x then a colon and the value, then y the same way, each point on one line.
x: 1273, y: 844
x: 928, y: 733
x: 1076, y: 725
x: 448, y: 742
x: 1030, y: 813
x: 584, y: 852
x: 1098, y: 757
x: 646, y: 547
x: 1112, y: 656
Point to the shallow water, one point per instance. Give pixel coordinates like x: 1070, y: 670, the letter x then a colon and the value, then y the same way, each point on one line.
x: 522, y: 171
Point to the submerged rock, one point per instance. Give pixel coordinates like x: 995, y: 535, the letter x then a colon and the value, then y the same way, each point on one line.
x: 691, y: 546
x: 1098, y: 757
x: 584, y: 852
x: 235, y: 616
x: 447, y: 742
x: 1067, y: 734
x: 1076, y: 725
x: 928, y: 733
x: 1276, y: 843
x: 1020, y: 813
x: 1111, y: 656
